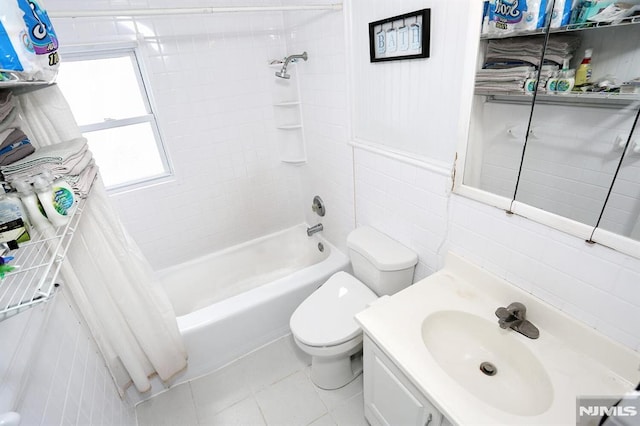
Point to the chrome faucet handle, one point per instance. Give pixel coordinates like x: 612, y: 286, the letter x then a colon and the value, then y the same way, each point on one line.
x: 512, y: 315
x: 518, y: 310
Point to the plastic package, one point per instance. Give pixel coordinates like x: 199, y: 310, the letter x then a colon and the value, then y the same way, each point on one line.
x: 516, y: 15
x: 28, y: 43
x: 561, y: 14
x: 12, y: 219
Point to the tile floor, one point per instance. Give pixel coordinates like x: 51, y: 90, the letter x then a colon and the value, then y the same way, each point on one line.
x: 269, y: 386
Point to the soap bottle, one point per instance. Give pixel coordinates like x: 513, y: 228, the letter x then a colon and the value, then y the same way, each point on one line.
x: 566, y: 80
x: 583, y: 73
x: 531, y: 83
x: 57, y: 199
x: 13, y: 224
x: 31, y: 204
x: 552, y: 83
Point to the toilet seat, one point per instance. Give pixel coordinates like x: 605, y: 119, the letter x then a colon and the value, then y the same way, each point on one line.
x: 326, y: 317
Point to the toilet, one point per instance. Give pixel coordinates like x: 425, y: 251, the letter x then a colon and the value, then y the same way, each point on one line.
x: 323, y: 325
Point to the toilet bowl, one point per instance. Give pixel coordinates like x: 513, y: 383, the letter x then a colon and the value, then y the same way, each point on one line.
x: 323, y: 325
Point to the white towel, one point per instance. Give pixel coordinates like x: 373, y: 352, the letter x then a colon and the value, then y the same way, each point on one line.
x: 72, y: 166
x: 54, y: 154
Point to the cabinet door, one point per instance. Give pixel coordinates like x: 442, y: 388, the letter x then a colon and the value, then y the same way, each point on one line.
x: 389, y: 397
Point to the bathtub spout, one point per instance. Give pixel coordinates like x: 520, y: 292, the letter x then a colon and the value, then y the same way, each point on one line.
x: 314, y: 229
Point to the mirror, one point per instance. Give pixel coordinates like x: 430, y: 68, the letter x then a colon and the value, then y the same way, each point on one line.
x: 574, y: 145
x: 550, y: 120
x: 622, y: 210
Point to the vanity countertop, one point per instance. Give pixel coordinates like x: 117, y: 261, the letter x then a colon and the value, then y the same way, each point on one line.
x: 574, y: 359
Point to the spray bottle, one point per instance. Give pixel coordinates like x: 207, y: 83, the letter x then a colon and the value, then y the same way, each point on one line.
x: 583, y: 73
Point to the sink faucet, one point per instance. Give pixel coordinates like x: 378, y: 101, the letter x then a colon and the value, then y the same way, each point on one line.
x: 314, y: 229
x: 514, y: 317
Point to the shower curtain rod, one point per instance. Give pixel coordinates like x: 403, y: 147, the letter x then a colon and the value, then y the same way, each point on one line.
x: 186, y: 11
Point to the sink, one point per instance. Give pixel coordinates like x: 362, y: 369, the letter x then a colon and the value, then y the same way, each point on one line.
x: 489, y: 362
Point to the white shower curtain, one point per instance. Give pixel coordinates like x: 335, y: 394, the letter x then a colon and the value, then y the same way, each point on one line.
x: 111, y: 282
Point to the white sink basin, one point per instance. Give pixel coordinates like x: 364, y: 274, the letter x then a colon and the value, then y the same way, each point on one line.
x: 439, y: 330
x: 460, y: 343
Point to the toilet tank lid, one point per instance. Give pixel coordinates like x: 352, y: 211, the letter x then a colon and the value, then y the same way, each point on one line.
x: 383, y: 252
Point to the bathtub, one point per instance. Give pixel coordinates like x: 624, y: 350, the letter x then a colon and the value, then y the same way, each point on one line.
x: 233, y: 301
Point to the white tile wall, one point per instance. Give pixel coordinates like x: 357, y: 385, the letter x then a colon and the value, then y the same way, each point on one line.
x: 216, y: 117
x: 67, y: 380
x: 213, y: 92
x: 590, y: 282
x: 323, y: 87
x: 568, y: 166
x: 595, y: 284
x: 406, y: 202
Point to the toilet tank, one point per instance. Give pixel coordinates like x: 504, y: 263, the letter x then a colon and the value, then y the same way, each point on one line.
x: 382, y: 263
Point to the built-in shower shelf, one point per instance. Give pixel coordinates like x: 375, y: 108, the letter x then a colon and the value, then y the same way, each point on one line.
x: 290, y: 127
x: 39, y: 261
x: 287, y: 104
x: 288, y: 117
x: 294, y: 161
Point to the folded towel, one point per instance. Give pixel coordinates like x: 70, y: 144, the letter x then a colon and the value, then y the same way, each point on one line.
x: 16, y: 135
x: 50, y: 154
x: 6, y: 103
x: 17, y: 153
x: 10, y: 122
x: 81, y: 184
x: 73, y: 166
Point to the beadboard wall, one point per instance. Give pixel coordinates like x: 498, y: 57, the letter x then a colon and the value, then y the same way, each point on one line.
x: 413, y: 204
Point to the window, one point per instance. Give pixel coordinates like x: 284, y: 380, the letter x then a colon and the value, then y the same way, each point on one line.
x: 108, y: 97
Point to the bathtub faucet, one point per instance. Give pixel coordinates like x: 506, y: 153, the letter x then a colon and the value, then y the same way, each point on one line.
x: 314, y: 229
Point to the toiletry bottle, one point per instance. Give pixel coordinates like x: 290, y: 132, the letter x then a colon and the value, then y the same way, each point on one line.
x: 583, y: 73
x: 31, y: 204
x: 57, y: 199
x: 12, y: 219
x: 530, y: 83
x: 552, y: 83
x: 566, y: 80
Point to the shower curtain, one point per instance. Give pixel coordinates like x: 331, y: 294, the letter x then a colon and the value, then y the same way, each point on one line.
x: 107, y: 276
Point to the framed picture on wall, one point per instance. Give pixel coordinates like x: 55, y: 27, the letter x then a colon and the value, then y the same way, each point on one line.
x: 400, y: 37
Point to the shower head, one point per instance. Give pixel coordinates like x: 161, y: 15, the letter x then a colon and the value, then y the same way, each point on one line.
x: 283, y: 72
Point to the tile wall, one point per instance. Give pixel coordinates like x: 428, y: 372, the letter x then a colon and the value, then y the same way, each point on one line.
x: 409, y: 202
x: 412, y: 203
x: 65, y: 379
x: 568, y: 166
x: 323, y: 87
x: 213, y: 92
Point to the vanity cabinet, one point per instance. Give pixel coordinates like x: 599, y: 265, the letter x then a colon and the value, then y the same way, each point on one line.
x: 390, y: 398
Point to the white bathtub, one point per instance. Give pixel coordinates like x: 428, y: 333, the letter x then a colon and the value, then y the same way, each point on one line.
x: 233, y: 301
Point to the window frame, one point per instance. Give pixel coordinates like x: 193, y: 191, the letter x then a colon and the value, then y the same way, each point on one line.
x: 87, y: 52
